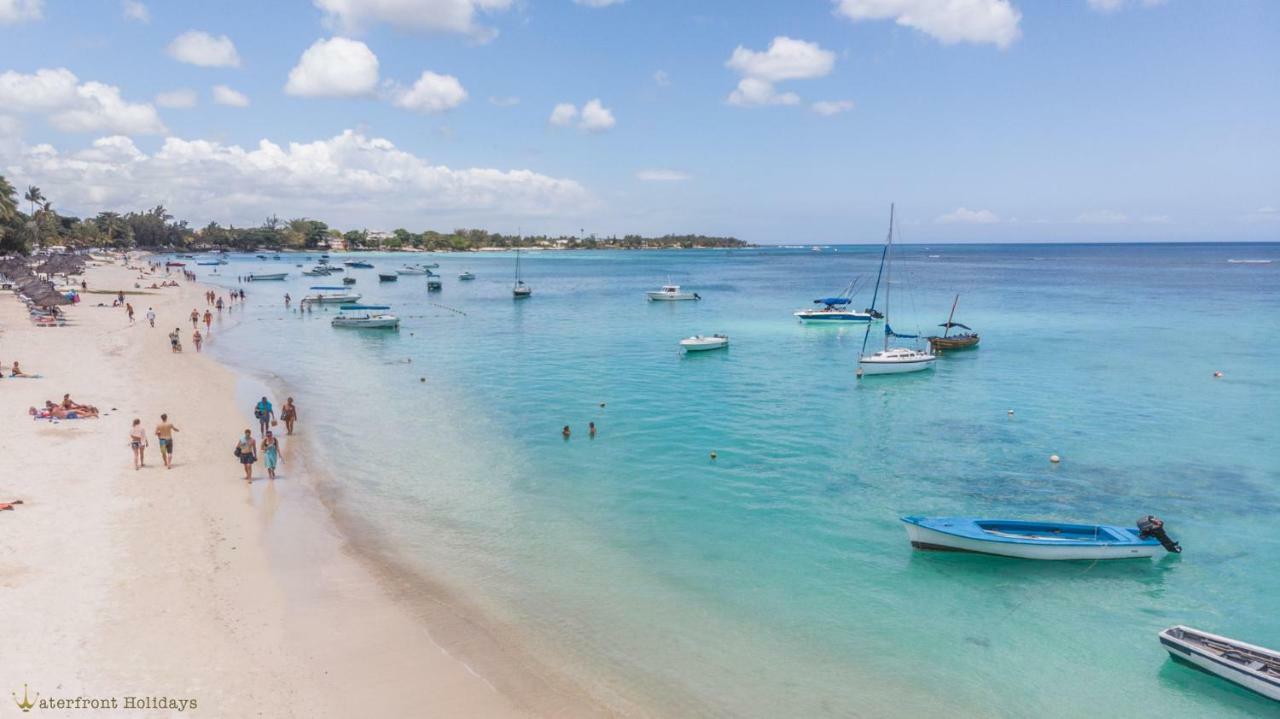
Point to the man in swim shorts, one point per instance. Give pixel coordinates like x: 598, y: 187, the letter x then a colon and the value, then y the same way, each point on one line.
x: 164, y: 433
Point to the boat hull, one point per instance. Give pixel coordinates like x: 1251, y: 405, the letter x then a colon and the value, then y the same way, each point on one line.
x: 265, y: 278
x: 875, y: 367
x: 827, y: 318
x: 704, y: 344
x: 923, y: 537
x: 375, y: 323
x: 671, y: 297
x: 963, y: 342
x: 1175, y: 641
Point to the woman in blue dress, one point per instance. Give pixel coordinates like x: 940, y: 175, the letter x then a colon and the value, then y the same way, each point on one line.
x: 270, y: 453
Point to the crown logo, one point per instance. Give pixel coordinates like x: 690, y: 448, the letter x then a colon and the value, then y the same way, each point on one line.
x: 25, y: 704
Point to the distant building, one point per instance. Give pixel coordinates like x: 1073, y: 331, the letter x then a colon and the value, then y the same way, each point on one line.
x: 377, y: 237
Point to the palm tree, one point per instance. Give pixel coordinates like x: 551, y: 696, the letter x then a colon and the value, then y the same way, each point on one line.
x: 8, y: 201
x: 34, y: 195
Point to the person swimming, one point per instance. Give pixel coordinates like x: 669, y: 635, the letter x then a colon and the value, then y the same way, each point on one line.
x: 565, y: 432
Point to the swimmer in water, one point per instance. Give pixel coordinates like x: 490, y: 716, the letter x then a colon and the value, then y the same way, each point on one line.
x: 565, y: 431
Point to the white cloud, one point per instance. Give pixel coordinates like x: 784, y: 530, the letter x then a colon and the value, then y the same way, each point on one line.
x: 786, y: 59
x: 73, y: 106
x: 662, y: 175
x: 963, y: 215
x: 196, y: 47
x: 563, y: 114
x: 353, y: 16
x: 1157, y: 219
x: 661, y: 78
x: 336, y: 67
x: 948, y: 21
x: 508, y: 101
x: 596, y: 117
x: 598, y: 3
x: 224, y: 95
x: 180, y: 98
x: 15, y: 11
x: 431, y: 93
x: 1108, y: 6
x: 1263, y: 214
x: 134, y: 10
x: 350, y: 178
x: 832, y: 107
x: 1102, y: 217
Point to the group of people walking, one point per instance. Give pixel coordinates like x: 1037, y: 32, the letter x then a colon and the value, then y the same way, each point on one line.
x: 164, y: 437
x: 248, y: 450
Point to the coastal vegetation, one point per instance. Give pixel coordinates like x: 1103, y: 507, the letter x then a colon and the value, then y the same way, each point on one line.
x: 42, y: 225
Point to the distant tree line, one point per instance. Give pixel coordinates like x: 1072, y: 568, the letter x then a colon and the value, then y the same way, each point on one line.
x: 41, y: 225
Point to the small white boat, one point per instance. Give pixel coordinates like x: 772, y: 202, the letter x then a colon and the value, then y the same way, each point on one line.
x: 702, y: 343
x: 896, y: 360
x: 520, y: 290
x: 410, y: 270
x: 331, y: 295
x: 672, y: 293
x: 264, y: 277
x: 1248, y: 665
x: 466, y: 276
x: 366, y: 316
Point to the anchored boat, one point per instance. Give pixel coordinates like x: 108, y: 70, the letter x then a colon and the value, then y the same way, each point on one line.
x: 327, y: 294
x: 387, y: 276
x: 366, y: 316
x: 265, y: 277
x: 672, y: 293
x: 959, y: 341
x: 702, y: 343
x: 890, y: 360
x: 412, y: 270
x: 361, y: 264
x: 836, y: 310
x: 520, y: 290
x: 466, y: 276
x: 1252, y: 667
x: 1039, y: 540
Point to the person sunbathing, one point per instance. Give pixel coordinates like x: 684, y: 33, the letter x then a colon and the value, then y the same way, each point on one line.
x: 68, y: 403
x: 16, y: 371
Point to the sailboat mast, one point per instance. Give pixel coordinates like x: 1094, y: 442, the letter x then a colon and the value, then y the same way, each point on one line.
x: 947, y: 330
x: 888, y: 275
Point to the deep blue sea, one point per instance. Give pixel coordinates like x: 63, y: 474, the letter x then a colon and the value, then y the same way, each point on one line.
x: 776, y: 579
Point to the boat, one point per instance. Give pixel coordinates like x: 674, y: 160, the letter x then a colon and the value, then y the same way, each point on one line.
x: 387, y: 276
x: 173, y: 263
x: 267, y: 276
x: 1039, y: 540
x: 348, y: 280
x: 366, y: 316
x: 211, y: 262
x: 434, y: 285
x: 328, y: 294
x: 672, y: 293
x: 361, y: 264
x: 835, y: 310
x: 701, y: 343
x: 890, y: 360
x: 409, y: 270
x: 262, y: 257
x: 1252, y: 667
x: 959, y: 341
x: 520, y: 290
x: 466, y: 276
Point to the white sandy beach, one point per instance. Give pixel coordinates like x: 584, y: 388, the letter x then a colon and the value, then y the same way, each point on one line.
x: 189, y: 583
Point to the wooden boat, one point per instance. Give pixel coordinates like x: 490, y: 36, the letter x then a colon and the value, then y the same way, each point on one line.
x: 960, y: 341
x: 1039, y: 540
x: 269, y: 276
x: 702, y: 343
x: 1252, y: 667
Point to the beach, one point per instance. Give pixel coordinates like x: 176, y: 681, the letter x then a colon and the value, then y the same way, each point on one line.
x: 189, y: 584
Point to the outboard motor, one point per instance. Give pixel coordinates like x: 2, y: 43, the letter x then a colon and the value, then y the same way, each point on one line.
x: 1150, y: 526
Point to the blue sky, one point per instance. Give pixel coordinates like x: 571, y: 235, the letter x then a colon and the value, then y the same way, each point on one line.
x: 985, y: 120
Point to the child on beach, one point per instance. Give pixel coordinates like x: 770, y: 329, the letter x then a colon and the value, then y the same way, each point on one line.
x: 138, y: 441
x: 247, y: 453
x: 270, y: 453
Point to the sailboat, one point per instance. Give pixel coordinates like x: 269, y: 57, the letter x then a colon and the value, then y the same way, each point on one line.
x: 891, y: 360
x: 520, y: 290
x: 959, y: 341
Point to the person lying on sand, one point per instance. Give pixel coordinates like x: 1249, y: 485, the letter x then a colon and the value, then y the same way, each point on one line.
x: 9, y: 505
x: 68, y: 403
x: 16, y: 371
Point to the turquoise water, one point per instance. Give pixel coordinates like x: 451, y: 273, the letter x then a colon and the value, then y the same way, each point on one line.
x: 775, y: 580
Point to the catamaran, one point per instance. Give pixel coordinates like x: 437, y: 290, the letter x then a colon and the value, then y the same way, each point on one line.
x: 891, y: 360
x: 520, y: 290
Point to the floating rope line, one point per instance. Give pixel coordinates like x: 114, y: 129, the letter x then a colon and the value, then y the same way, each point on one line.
x: 451, y: 309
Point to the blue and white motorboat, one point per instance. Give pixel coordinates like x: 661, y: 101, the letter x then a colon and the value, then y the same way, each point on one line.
x: 1039, y: 540
x: 1252, y: 667
x: 366, y: 316
x: 833, y: 310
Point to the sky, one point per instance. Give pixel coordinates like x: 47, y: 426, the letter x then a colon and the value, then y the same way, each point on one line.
x: 782, y: 122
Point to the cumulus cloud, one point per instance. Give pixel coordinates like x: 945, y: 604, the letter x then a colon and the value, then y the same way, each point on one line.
x: 73, y: 106
x: 134, y: 10
x: 662, y: 175
x: 828, y: 108
x: 1102, y: 217
x: 196, y: 47
x: 593, y: 117
x: 337, y: 67
x: 965, y: 216
x: 459, y: 16
x: 992, y: 22
x: 786, y: 59
x: 352, y: 178
x: 1263, y: 214
x: 431, y: 93
x: 224, y: 95
x: 15, y: 11
x: 181, y: 98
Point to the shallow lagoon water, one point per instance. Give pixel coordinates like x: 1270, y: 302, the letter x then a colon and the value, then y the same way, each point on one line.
x: 776, y: 580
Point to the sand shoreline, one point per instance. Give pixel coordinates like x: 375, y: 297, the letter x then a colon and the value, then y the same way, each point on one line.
x: 188, y: 583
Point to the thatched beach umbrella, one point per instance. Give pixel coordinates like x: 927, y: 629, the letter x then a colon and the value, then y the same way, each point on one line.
x: 62, y: 264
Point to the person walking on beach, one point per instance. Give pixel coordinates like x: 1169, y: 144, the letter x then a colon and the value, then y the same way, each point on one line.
x: 289, y: 413
x: 195, y: 318
x: 208, y: 321
x: 120, y: 296
x: 138, y: 442
x: 287, y: 300
x: 197, y: 339
x: 247, y: 453
x: 128, y: 308
x: 270, y: 453
x: 164, y: 433
x: 175, y: 343
x: 218, y: 304
x: 265, y: 414
x: 151, y: 316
